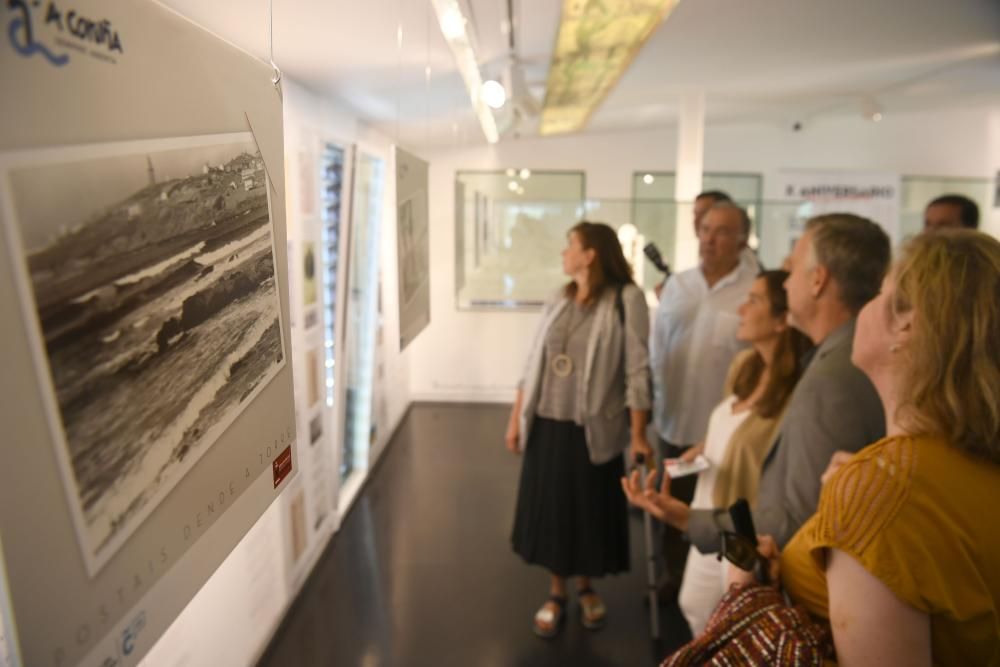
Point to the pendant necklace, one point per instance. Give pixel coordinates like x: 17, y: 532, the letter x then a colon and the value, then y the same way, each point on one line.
x: 562, y: 363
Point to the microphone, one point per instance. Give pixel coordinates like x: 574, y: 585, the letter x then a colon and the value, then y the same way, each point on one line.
x: 653, y: 255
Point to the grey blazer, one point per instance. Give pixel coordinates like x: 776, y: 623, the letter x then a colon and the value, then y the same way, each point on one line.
x: 834, y: 407
x: 616, y: 373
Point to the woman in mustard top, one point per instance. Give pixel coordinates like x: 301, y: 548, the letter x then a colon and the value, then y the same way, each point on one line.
x: 903, y: 554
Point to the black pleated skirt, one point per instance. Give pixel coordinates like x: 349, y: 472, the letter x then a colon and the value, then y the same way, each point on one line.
x: 571, y: 515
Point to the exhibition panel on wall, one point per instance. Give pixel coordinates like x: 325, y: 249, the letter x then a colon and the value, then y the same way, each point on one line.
x: 151, y: 371
x: 413, y: 246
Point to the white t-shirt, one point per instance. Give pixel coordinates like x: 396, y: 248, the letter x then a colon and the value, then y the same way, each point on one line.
x: 721, y: 426
x: 693, y: 343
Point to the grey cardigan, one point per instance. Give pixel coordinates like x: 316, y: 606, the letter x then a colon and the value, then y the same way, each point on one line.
x: 833, y: 407
x: 616, y: 372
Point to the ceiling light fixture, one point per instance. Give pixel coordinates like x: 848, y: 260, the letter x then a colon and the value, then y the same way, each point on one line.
x: 493, y: 94
x: 452, y: 23
x: 597, y: 41
x: 648, y: 179
x: 512, y: 186
x: 457, y: 31
x: 525, y: 174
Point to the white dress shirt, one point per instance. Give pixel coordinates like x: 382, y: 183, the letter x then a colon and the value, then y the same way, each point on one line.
x: 693, y: 344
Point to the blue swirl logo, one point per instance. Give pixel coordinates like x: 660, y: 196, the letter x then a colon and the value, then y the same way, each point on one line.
x: 22, y: 36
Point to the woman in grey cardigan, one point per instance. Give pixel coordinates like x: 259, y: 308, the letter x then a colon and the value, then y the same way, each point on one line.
x: 585, y: 389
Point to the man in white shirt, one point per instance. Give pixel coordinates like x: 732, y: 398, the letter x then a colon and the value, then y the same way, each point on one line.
x: 692, y: 346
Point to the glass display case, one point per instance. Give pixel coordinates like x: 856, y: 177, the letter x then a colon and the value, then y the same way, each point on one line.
x: 521, y: 267
x: 505, y: 222
x: 918, y: 191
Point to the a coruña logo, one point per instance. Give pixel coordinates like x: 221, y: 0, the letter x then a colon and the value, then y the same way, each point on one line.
x: 97, y: 37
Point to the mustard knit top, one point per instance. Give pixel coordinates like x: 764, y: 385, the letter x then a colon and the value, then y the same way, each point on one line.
x: 921, y: 516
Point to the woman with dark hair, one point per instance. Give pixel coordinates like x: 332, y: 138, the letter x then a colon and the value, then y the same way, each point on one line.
x: 584, y: 396
x: 743, y: 427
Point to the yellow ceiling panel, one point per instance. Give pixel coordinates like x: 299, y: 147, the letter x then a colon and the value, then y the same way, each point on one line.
x: 596, y: 43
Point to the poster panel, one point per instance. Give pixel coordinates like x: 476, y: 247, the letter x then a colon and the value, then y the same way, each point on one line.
x: 146, y: 361
x: 873, y: 195
x: 413, y: 246
x: 154, y: 269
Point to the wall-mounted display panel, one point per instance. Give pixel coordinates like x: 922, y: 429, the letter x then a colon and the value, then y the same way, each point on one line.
x: 413, y: 246
x: 148, y: 362
x: 873, y: 195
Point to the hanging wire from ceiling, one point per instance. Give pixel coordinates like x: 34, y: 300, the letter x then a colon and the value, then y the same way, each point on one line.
x: 276, y: 77
x: 399, y: 63
x: 427, y: 73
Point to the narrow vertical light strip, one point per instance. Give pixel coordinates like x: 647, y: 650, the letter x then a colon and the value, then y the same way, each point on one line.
x: 453, y: 27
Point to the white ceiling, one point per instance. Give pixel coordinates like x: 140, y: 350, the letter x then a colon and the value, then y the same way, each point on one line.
x: 766, y: 60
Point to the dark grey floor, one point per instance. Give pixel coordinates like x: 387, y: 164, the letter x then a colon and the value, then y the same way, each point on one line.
x: 421, y: 572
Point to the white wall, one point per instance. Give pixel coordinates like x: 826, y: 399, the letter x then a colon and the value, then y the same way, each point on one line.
x: 477, y: 356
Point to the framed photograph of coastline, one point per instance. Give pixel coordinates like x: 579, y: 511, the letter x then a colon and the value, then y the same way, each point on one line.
x: 148, y: 269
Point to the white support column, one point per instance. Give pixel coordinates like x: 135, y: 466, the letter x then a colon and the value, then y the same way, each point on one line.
x: 690, y: 160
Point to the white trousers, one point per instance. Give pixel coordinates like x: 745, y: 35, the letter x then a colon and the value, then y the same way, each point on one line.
x: 703, y: 586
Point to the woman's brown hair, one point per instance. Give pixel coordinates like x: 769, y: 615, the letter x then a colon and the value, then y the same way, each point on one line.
x: 787, y: 365
x: 609, y: 267
x: 950, y: 381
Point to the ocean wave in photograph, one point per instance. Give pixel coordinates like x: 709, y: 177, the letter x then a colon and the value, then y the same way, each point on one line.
x: 158, y: 305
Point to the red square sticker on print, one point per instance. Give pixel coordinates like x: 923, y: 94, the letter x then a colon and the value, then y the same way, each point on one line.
x: 282, y: 466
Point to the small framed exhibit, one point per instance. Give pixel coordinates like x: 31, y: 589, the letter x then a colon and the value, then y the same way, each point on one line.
x: 309, y: 290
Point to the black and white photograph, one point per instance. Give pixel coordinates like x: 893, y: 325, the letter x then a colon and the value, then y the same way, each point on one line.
x: 148, y: 272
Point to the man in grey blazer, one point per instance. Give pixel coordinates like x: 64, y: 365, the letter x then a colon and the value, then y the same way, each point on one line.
x: 836, y: 267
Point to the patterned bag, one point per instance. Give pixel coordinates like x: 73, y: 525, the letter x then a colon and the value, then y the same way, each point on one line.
x: 754, y: 626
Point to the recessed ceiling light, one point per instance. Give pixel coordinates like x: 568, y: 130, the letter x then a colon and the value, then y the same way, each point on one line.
x: 648, y: 179
x: 525, y: 174
x: 512, y: 186
x: 511, y: 172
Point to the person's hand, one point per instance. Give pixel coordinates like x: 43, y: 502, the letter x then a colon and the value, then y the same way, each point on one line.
x: 768, y: 550
x: 660, y: 503
x: 658, y: 289
x: 511, y: 439
x: 640, y: 445
x: 692, y: 453
x: 837, y: 461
